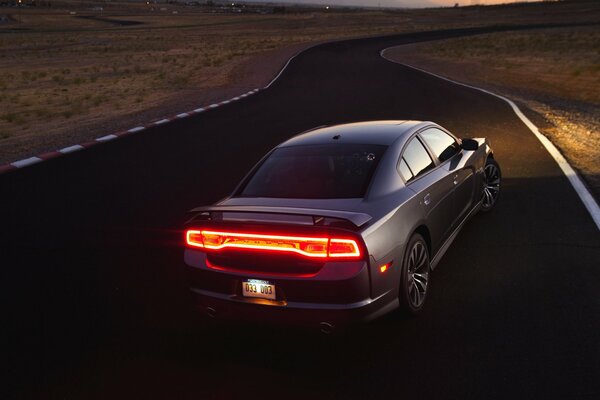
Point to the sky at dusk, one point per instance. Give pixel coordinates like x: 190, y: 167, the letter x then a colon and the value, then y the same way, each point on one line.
x: 399, y: 3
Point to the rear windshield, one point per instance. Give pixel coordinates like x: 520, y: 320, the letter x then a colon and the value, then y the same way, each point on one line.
x: 327, y: 171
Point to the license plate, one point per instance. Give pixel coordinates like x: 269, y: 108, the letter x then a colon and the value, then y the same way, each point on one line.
x: 258, y: 288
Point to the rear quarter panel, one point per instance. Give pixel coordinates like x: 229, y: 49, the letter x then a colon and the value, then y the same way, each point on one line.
x: 386, y: 239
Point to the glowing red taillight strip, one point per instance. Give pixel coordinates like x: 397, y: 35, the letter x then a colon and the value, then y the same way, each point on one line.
x: 307, y: 246
x: 319, y: 247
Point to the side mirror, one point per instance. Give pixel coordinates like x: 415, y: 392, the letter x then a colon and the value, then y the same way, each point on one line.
x: 469, y: 144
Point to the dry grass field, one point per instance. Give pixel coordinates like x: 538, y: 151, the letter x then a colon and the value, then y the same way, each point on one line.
x: 71, y: 73
x: 60, y: 71
x: 554, y: 72
x: 563, y: 63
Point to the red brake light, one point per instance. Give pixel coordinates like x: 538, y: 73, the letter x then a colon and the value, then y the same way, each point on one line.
x: 343, y: 248
x: 316, y: 247
x: 194, y: 238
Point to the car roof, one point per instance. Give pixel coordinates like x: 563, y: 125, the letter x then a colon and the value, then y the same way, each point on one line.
x: 372, y: 132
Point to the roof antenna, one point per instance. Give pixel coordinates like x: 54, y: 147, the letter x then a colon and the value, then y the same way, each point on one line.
x: 336, y: 137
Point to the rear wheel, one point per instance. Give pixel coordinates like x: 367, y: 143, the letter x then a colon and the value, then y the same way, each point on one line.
x: 491, y: 184
x: 416, y: 269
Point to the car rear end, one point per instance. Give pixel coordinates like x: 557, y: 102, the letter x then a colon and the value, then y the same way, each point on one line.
x: 309, y: 270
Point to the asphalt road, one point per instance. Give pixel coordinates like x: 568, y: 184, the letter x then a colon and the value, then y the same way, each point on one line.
x: 94, y: 296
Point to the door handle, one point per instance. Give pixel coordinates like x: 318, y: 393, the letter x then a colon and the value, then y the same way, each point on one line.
x: 427, y: 199
x: 455, y: 179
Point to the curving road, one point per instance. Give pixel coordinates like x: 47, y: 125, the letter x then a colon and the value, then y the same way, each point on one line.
x: 94, y: 289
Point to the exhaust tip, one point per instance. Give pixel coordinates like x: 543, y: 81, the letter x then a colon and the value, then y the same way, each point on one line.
x: 326, y: 328
x: 211, y: 312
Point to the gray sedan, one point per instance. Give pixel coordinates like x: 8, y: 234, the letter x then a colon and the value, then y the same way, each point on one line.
x: 339, y: 224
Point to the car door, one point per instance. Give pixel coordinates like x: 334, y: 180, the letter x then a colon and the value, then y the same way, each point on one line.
x: 449, y: 154
x: 433, y: 188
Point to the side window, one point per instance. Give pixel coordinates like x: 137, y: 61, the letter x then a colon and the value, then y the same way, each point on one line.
x: 417, y: 159
x: 443, y: 145
x: 405, y: 171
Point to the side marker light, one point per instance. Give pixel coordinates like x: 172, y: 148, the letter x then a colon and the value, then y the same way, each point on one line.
x: 385, y: 267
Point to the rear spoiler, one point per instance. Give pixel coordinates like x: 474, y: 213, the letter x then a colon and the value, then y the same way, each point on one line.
x: 358, y: 219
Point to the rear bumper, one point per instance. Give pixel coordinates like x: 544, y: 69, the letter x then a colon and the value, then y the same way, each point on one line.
x: 338, y: 295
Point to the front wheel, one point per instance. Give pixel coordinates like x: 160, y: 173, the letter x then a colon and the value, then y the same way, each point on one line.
x: 491, y: 184
x: 416, y: 269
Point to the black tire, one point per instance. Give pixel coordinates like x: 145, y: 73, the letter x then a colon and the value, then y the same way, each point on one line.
x: 492, y: 177
x: 416, y: 264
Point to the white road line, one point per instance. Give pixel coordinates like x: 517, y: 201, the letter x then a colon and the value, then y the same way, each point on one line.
x: 586, y: 197
x: 235, y: 98
x: 106, y: 138
x: 225, y: 102
x: 136, y: 129
x: 71, y: 149
x: 282, y: 69
x: 213, y: 106
x: 199, y: 110
x: 25, y: 162
x: 294, y: 56
x: 162, y: 121
x: 182, y: 115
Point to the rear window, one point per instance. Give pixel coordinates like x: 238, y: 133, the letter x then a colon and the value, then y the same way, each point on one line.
x: 327, y: 171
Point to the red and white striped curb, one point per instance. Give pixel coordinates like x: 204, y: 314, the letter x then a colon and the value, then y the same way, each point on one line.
x: 107, y: 138
x: 46, y: 156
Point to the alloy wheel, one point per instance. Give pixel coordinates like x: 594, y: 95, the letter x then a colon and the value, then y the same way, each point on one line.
x: 491, y: 188
x: 418, y: 274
